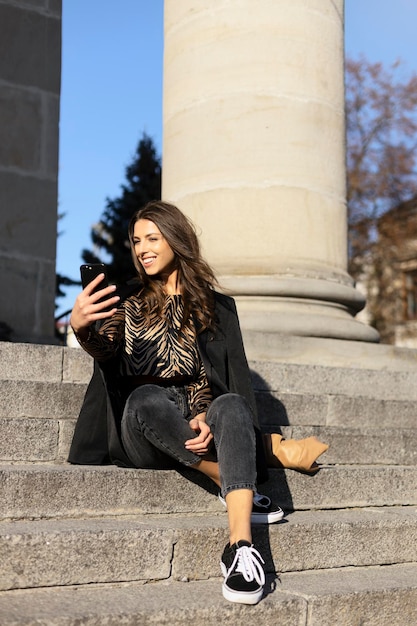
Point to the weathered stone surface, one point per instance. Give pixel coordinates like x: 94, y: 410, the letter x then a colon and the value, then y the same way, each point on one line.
x: 305, y: 541
x: 276, y: 409
x: 78, y: 366
x: 281, y: 409
x: 338, y: 381
x: 82, y: 491
x: 28, y: 141
x: 50, y: 136
x: 106, y: 525
x: 373, y: 413
x: 35, y: 321
x: 55, y: 7
x: 34, y: 4
x: 159, y: 603
x: 316, y: 540
x: 30, y: 77
x: 349, y: 446
x: 28, y: 362
x: 63, y: 491
x: 63, y: 552
x: 29, y: 41
x: 42, y: 554
x: 28, y: 439
x: 344, y: 486
x: 27, y: 269
x: 66, y: 431
x: 377, y: 596
x: 37, y: 399
x: 20, y: 128
x: 359, y: 355
x: 31, y: 220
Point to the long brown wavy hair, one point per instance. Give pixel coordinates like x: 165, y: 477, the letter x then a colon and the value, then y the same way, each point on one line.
x: 196, y: 279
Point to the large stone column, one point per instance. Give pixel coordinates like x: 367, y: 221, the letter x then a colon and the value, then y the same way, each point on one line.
x: 254, y: 153
x: 30, y: 77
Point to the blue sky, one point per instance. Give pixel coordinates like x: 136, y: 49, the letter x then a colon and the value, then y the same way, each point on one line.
x: 112, y: 92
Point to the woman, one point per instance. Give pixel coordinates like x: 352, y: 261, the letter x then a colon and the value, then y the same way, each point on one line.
x: 177, y: 380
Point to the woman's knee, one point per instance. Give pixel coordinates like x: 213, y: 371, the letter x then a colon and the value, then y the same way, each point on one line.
x: 143, y: 404
x: 231, y: 406
x: 231, y: 401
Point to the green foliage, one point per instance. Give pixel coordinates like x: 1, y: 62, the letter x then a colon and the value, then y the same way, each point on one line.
x: 109, y: 235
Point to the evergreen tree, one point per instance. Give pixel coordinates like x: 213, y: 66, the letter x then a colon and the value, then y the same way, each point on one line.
x: 109, y: 235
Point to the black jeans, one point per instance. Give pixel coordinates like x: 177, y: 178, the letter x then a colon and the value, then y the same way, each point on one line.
x: 155, y: 428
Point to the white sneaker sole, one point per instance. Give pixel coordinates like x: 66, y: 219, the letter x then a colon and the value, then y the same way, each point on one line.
x: 267, y: 518
x: 242, y: 597
x: 259, y: 517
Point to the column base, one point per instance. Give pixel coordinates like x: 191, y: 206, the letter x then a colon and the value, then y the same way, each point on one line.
x: 323, y: 352
x: 307, y: 307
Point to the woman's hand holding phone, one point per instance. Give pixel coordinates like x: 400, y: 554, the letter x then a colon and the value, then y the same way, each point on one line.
x: 93, y: 304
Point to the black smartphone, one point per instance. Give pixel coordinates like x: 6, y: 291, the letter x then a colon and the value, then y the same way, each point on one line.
x: 90, y: 271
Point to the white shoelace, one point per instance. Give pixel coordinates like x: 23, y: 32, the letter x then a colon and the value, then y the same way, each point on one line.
x: 248, y: 564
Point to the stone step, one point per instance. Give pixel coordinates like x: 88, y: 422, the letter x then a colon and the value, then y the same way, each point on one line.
x: 276, y: 408
x: 50, y: 411
x: 32, y: 439
x: 281, y: 378
x: 29, y: 362
x: 53, y: 491
x: 360, y: 355
x: 383, y: 596
x: 63, y: 400
x: 33, y: 362
x: 48, y: 441
x: 361, y: 446
x: 348, y: 555
x: 51, y: 400
x: 146, y: 548
x: 42, y: 388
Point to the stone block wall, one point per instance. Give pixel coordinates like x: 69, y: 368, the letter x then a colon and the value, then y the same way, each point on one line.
x: 30, y: 78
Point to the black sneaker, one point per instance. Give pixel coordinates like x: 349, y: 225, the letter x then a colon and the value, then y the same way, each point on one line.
x: 244, y: 577
x: 263, y: 510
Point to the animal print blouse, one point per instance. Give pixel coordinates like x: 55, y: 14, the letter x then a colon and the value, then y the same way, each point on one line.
x: 154, y: 350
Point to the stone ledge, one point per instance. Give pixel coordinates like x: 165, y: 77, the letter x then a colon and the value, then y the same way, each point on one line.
x: 283, y: 409
x: 74, y: 552
x: 385, y: 595
x: 26, y: 361
x: 53, y: 491
x: 338, y: 381
x: 165, y: 604
x: 283, y: 348
x: 42, y: 400
x: 361, y: 446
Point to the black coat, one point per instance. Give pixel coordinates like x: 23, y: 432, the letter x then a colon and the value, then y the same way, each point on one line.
x: 97, y: 439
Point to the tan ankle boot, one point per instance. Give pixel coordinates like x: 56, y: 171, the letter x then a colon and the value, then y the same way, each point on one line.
x: 296, y: 454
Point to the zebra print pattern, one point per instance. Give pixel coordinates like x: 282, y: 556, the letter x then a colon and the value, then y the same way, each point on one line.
x: 158, y: 349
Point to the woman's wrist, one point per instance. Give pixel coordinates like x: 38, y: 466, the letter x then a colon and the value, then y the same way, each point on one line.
x: 201, y: 417
x: 83, y: 334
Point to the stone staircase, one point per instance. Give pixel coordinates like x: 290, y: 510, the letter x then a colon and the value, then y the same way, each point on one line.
x: 104, y: 546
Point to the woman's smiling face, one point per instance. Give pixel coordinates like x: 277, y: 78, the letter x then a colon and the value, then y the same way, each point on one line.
x: 152, y: 249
